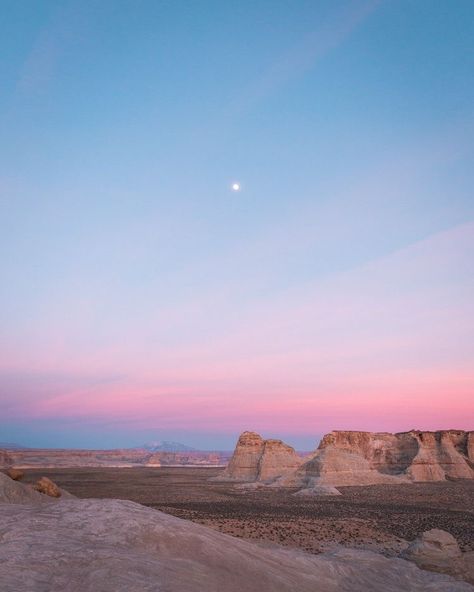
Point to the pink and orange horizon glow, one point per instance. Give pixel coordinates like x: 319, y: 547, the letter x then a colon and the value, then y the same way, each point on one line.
x: 386, y: 346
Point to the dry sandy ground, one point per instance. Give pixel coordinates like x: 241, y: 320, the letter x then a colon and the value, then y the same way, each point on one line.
x: 378, y: 517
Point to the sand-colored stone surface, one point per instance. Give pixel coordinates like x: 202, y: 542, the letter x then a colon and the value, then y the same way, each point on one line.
x: 365, y: 458
x: 382, y: 518
x: 14, y: 492
x: 437, y: 550
x: 48, y: 487
x: 256, y: 459
x: 121, y: 546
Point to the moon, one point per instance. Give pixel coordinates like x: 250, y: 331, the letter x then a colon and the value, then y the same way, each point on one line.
x: 235, y: 186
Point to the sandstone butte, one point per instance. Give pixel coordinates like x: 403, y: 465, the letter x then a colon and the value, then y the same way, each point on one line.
x: 256, y: 459
x: 355, y: 458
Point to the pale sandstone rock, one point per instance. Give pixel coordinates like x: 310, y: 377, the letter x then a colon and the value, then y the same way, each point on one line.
x: 441, y: 454
x: 256, y: 459
x: 48, y: 487
x: 437, y: 550
x: 13, y: 492
x: 244, y: 462
x: 120, y: 546
x: 366, y: 458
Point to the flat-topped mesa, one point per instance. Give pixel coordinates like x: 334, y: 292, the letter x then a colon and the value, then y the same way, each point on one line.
x: 367, y: 458
x: 256, y: 459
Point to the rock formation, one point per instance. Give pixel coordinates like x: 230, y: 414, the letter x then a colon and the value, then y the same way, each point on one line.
x: 366, y: 458
x: 437, y: 550
x: 441, y: 454
x: 14, y: 492
x: 256, y: 459
x: 121, y: 546
x: 48, y: 487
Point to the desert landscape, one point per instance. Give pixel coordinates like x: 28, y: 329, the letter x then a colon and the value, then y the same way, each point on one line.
x: 264, y: 496
x: 236, y: 296
x: 377, y: 517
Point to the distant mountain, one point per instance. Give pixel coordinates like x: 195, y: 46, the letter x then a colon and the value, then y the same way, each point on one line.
x: 166, y: 446
x: 11, y: 446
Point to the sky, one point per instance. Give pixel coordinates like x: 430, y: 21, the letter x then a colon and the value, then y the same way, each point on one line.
x: 141, y: 298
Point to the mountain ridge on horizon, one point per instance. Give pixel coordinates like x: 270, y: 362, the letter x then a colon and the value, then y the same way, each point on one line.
x: 167, y: 446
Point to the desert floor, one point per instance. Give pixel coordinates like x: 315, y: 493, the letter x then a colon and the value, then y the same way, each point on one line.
x: 378, y: 517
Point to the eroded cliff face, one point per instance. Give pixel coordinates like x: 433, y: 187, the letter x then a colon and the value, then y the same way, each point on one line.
x: 366, y: 458
x: 256, y: 459
x: 441, y: 455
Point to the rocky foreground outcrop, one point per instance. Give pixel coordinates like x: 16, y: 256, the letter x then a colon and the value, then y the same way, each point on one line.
x: 121, y: 546
x: 355, y: 458
x: 14, y: 492
x: 256, y: 459
x: 437, y: 550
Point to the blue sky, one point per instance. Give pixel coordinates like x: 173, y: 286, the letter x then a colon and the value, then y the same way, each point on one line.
x: 131, y: 272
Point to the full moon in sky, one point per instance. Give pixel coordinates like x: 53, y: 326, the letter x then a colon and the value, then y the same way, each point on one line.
x: 235, y: 186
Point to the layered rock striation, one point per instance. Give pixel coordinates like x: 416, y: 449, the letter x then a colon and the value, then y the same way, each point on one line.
x: 256, y: 459
x: 354, y: 458
x: 367, y: 458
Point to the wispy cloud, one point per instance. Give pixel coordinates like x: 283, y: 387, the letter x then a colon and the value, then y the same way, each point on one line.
x: 325, y: 37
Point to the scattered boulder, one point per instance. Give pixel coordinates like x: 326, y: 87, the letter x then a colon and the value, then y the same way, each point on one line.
x: 437, y: 550
x: 48, y: 487
x: 15, y: 474
x: 256, y: 459
x: 14, y: 492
